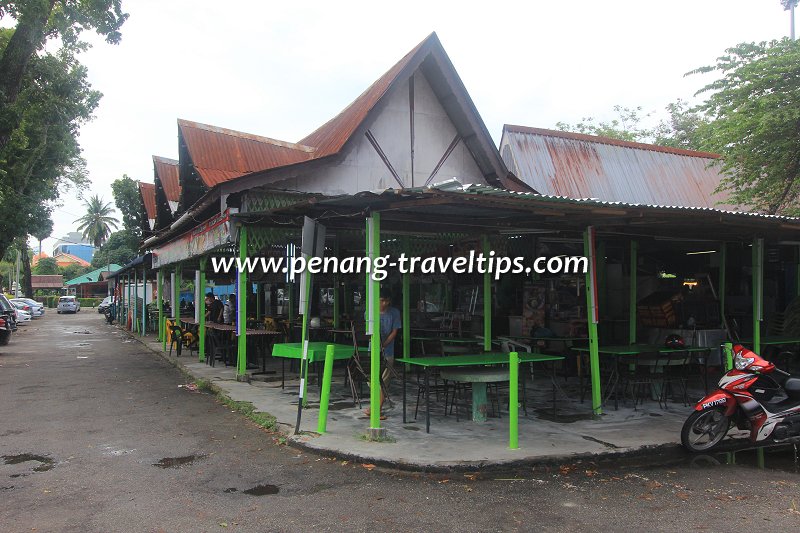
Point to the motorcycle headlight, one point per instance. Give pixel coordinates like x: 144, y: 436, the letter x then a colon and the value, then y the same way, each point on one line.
x: 742, y: 362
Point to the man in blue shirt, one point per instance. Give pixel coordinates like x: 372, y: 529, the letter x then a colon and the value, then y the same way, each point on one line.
x: 389, y: 326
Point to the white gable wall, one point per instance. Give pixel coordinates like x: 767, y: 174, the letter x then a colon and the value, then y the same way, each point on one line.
x: 362, y: 169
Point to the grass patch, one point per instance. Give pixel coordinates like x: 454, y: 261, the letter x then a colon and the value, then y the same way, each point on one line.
x: 265, y: 420
x: 387, y: 438
x: 203, y: 385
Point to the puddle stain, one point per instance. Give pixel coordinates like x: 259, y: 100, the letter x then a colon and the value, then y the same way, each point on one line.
x: 262, y: 490
x: 411, y: 428
x: 46, y: 462
x: 565, y: 418
x: 176, y: 462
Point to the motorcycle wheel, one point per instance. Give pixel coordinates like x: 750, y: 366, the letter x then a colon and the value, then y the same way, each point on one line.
x: 703, y: 430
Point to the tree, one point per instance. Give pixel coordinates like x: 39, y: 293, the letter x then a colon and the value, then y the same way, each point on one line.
x: 626, y: 126
x: 37, y: 22
x: 46, y: 265
x: 120, y: 248
x: 754, y: 112
x: 43, y: 156
x: 96, y: 224
x: 127, y: 200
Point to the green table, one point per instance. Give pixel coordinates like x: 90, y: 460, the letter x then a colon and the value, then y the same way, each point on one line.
x: 774, y: 340
x: 316, y: 352
x: 454, y: 361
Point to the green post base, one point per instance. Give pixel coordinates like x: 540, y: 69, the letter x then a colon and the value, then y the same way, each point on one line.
x: 480, y: 402
x: 325, y: 394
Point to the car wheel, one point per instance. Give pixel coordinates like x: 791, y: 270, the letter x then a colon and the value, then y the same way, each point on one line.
x: 5, y: 338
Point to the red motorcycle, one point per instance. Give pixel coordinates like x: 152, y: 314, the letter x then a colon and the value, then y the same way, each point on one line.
x: 755, y: 395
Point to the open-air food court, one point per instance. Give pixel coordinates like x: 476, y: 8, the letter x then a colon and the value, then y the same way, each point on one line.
x: 635, y: 275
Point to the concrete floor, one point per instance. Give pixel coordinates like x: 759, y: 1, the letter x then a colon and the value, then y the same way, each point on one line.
x: 450, y: 443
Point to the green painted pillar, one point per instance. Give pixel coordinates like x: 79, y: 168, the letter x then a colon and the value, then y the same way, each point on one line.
x: 241, y: 304
x: 325, y: 393
x: 144, y: 302
x: 758, y: 292
x: 176, y: 304
x: 374, y: 288
x: 135, y: 302
x: 591, y: 317
x: 634, y: 298
x: 128, y: 304
x: 487, y: 300
x: 201, y: 318
x: 513, y: 400
x: 723, y: 279
x: 406, y: 305
x: 160, y: 304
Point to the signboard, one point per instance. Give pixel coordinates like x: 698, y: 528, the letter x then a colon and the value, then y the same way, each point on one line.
x: 212, y: 233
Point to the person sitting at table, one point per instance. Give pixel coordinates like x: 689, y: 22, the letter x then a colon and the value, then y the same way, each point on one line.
x: 214, y: 309
x: 390, y: 324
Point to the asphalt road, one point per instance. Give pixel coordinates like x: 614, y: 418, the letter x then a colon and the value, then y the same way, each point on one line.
x: 94, y: 428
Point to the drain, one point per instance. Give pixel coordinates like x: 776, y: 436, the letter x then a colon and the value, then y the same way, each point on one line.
x: 262, y: 490
x: 176, y: 462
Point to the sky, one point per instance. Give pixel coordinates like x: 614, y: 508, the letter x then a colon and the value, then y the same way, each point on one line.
x: 282, y: 69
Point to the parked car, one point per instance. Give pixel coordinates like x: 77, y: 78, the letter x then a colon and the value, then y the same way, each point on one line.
x: 105, y: 304
x: 68, y: 304
x: 8, y: 322
x: 37, y: 308
x: 23, y: 312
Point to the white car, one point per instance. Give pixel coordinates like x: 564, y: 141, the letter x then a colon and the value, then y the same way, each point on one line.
x: 35, y: 308
x: 68, y: 304
x: 23, y: 315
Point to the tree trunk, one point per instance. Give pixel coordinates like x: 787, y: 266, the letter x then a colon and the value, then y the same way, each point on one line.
x: 27, y: 38
x: 27, y: 284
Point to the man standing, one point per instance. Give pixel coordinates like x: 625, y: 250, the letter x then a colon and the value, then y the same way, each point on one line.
x: 390, y: 325
x: 214, y: 309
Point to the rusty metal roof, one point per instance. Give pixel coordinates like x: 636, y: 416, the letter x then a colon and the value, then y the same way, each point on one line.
x: 148, y: 194
x: 575, y: 165
x: 220, y: 154
x: 167, y: 173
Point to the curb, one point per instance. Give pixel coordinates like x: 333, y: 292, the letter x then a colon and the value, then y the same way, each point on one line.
x: 661, y: 454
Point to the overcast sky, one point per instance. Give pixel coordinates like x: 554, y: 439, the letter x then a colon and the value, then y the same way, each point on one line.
x: 282, y: 69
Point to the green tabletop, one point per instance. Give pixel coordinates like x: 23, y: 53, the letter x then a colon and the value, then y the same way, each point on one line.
x: 555, y: 339
x: 316, y: 350
x: 449, y: 340
x: 489, y: 358
x: 774, y: 340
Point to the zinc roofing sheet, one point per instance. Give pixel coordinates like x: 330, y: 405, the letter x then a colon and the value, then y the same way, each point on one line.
x: 167, y: 172
x: 573, y: 165
x: 220, y: 154
x: 148, y: 192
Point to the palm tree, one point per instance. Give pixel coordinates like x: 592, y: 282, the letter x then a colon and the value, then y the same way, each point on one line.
x: 96, y: 224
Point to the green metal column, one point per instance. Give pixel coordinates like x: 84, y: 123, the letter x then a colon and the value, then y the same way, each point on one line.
x: 201, y: 322
x: 160, y: 283
x: 513, y: 400
x: 375, y: 340
x: 758, y: 292
x: 723, y: 281
x: 241, y: 303
x: 406, y: 305
x: 176, y: 303
x: 591, y: 318
x: 128, y: 304
x: 487, y: 300
x: 633, y: 289
x: 135, y: 302
x: 144, y: 302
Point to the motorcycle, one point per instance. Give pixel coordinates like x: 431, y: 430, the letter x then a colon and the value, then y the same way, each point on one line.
x: 754, y: 395
x: 111, y: 313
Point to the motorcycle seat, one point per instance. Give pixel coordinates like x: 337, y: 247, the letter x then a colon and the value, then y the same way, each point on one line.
x: 792, y: 387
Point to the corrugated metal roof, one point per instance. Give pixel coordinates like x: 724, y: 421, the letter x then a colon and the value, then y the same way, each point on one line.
x: 148, y: 193
x: 331, y: 136
x: 454, y: 185
x: 47, y: 281
x: 220, y: 154
x: 167, y: 172
x: 585, y: 166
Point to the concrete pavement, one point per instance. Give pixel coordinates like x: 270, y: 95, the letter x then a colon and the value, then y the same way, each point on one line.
x: 97, y: 435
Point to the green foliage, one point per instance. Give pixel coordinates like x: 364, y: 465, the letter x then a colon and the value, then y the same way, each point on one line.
x: 73, y: 271
x: 754, y: 107
x: 679, y: 130
x: 89, y: 302
x: 46, y: 265
x: 128, y: 201
x: 96, y: 224
x: 120, y: 248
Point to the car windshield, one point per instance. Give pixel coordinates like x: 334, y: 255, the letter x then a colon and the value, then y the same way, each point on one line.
x: 65, y: 299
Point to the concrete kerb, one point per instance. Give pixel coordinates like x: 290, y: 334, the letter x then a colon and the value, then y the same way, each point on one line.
x: 648, y: 455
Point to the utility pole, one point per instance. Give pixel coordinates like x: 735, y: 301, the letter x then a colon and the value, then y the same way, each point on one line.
x: 789, y: 5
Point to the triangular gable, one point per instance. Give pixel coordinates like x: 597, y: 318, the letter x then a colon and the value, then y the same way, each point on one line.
x: 167, y: 190
x: 586, y: 166
x: 147, y: 195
